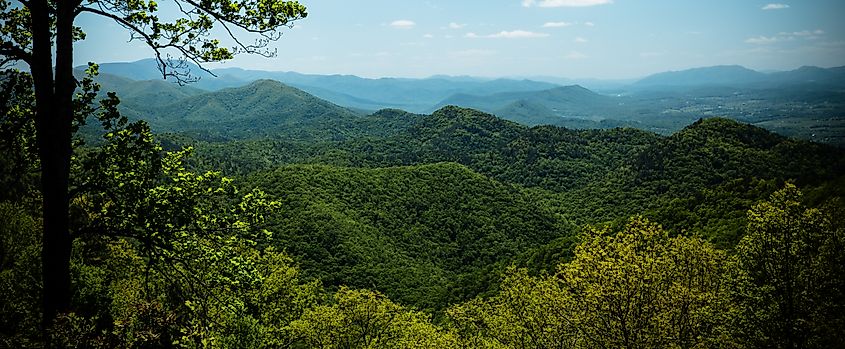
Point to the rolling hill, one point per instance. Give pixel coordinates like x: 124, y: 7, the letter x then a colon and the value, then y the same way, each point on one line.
x: 587, y: 176
x: 421, y: 234
x: 264, y: 108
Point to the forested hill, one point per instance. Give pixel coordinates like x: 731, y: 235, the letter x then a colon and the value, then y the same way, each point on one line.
x: 587, y: 176
x: 260, y: 109
x: 426, y: 235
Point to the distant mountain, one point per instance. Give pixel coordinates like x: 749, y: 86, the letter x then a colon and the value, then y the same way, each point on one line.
x: 540, y: 107
x: 146, y: 69
x: 811, y: 75
x: 738, y: 76
x: 260, y: 109
x: 718, y: 75
x: 601, y: 85
x: 805, y: 102
x: 415, y: 95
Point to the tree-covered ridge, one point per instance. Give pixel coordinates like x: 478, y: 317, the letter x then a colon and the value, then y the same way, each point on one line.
x: 421, y: 234
x: 704, y: 176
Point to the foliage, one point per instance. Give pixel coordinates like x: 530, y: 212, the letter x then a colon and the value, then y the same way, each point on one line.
x: 789, y: 275
x: 422, y: 234
x: 18, y: 160
x: 641, y: 288
x: 636, y: 288
x: 366, y: 319
x: 42, y: 33
x: 528, y: 312
x: 19, y: 303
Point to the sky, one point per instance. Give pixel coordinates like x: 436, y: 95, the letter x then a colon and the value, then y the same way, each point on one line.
x: 603, y: 39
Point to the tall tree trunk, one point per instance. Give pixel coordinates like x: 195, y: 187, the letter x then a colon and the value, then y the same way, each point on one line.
x: 54, y: 115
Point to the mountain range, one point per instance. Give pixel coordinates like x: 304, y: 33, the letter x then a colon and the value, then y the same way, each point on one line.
x: 808, y: 102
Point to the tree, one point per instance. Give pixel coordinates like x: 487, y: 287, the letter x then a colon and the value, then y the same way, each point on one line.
x: 637, y: 288
x: 790, y: 275
x: 528, y: 312
x: 642, y: 288
x: 367, y: 319
x: 31, y: 30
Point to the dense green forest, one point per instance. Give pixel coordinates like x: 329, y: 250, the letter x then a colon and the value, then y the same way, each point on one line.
x: 259, y: 209
x: 395, y: 230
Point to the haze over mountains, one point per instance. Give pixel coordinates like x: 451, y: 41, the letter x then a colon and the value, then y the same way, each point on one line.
x: 808, y: 102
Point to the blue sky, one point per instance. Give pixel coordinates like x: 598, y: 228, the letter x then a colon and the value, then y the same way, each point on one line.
x: 605, y: 39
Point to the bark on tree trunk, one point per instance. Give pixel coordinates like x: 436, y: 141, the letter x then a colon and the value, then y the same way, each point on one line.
x: 56, y: 241
x: 54, y: 115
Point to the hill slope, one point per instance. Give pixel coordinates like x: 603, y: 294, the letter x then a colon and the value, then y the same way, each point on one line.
x: 264, y: 108
x: 421, y: 234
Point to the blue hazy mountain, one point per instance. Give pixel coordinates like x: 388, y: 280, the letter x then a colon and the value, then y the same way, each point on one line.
x: 414, y: 95
x: 738, y: 76
x: 806, y: 102
x: 539, y: 107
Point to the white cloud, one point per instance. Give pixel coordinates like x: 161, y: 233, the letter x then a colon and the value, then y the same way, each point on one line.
x: 402, y: 24
x: 513, y: 34
x: 557, y: 24
x: 786, y: 36
x: 590, y: 24
x: 775, y: 6
x: 428, y: 36
x: 564, y: 3
x: 575, y: 55
x: 762, y: 40
x: 454, y: 25
x: 580, y: 40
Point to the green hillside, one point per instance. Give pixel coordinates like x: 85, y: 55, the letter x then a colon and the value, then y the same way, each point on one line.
x: 264, y: 108
x: 425, y: 235
x: 703, y: 177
